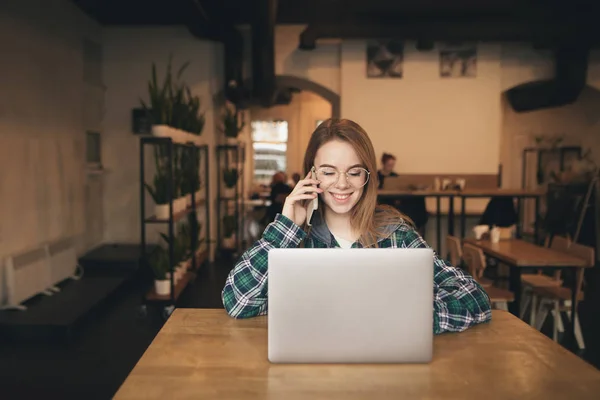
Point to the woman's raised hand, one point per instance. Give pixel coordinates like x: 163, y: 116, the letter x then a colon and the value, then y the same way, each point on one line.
x: 294, y: 207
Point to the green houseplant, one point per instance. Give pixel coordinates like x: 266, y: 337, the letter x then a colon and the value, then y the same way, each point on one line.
x: 230, y: 178
x: 159, y: 263
x: 232, y: 123
x: 172, y: 108
x: 229, y: 230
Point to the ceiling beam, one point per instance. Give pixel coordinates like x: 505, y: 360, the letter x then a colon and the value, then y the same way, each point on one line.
x: 493, y: 29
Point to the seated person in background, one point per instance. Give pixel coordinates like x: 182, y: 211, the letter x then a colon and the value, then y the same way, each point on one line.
x: 295, y: 179
x: 388, y: 162
x: 342, y: 157
x: 279, y: 191
x: 413, y: 207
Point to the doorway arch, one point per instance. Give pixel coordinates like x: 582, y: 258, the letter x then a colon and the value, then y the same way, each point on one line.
x: 290, y: 81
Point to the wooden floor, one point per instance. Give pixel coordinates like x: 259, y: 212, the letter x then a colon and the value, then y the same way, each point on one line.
x: 95, y: 364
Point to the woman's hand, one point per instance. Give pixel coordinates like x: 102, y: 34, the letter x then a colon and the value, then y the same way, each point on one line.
x: 294, y: 207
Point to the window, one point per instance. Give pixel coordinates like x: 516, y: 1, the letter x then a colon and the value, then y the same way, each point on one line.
x: 269, y: 142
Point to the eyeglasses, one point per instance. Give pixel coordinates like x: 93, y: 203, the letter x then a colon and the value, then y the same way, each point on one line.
x: 328, y: 176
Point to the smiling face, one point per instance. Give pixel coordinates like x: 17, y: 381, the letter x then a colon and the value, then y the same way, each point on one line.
x: 340, y: 197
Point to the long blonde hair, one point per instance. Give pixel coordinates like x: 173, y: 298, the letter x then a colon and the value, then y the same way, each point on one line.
x: 366, y: 217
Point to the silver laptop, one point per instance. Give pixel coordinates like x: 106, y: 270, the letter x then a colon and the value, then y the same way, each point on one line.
x: 350, y: 305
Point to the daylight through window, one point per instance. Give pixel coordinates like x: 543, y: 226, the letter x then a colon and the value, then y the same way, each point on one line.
x: 269, y: 142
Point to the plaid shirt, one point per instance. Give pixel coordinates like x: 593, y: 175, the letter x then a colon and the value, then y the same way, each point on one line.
x: 459, y: 301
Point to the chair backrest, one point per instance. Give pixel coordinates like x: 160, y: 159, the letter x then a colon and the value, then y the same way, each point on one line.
x: 474, y: 260
x: 454, y: 248
x: 586, y: 253
x: 560, y: 243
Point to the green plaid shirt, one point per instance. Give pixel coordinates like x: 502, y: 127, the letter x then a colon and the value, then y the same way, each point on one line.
x: 459, y: 301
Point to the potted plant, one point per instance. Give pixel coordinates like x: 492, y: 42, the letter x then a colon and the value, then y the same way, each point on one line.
x: 229, y: 229
x: 180, y: 251
x: 233, y: 123
x: 159, y: 262
x: 160, y: 194
x: 159, y: 109
x: 230, y: 177
x: 168, y: 108
x: 195, y: 120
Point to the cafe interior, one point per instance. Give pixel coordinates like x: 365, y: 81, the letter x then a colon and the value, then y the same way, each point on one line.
x: 146, y: 145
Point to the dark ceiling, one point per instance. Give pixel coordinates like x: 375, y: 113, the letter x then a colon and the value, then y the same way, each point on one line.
x: 130, y: 12
x: 568, y: 26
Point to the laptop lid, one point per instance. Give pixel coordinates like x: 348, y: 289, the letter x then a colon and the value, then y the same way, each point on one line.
x: 350, y: 305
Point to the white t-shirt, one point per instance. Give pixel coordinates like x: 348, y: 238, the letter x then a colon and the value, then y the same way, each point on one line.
x: 344, y: 244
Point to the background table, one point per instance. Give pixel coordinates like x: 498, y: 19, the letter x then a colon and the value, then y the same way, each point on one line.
x: 519, y: 254
x: 203, y: 354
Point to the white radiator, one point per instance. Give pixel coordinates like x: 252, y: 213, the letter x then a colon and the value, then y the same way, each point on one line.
x: 63, y: 261
x: 26, y: 275
x: 38, y: 271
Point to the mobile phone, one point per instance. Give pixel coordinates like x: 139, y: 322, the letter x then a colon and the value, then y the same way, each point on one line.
x: 313, y: 204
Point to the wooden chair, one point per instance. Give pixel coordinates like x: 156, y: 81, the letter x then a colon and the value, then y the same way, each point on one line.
x: 558, y: 298
x: 474, y: 260
x: 453, y: 245
x: 538, y: 279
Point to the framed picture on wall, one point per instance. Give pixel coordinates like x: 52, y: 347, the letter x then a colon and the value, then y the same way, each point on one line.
x: 385, y: 59
x: 458, y: 60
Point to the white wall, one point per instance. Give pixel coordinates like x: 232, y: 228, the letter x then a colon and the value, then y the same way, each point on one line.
x: 129, y: 53
x: 430, y: 123
x: 45, y: 109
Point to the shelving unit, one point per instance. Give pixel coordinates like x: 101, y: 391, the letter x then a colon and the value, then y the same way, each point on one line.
x: 561, y: 153
x: 196, y: 153
x: 540, y: 152
x: 230, y: 156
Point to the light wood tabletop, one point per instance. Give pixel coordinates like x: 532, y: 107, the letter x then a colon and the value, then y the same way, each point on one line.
x: 524, y: 254
x: 205, y: 354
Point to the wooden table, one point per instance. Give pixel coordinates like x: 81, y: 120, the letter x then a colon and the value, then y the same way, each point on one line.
x: 465, y: 194
x: 518, y: 254
x: 204, y: 354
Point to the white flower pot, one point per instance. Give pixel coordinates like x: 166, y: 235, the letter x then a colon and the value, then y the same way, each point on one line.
x: 161, y: 130
x: 228, y: 192
x: 161, y: 211
x: 230, y: 242
x: 162, y: 288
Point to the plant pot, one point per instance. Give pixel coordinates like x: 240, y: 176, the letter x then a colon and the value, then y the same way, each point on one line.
x: 229, y: 242
x: 162, y: 287
x: 161, y: 130
x: 228, y: 192
x: 161, y: 211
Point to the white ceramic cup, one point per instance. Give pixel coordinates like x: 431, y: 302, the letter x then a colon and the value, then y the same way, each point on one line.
x: 479, y: 230
x: 495, y: 235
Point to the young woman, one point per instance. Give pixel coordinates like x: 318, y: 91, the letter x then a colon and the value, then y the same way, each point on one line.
x: 342, y: 156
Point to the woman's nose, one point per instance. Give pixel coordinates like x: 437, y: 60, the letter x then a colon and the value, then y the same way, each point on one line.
x: 342, y: 181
